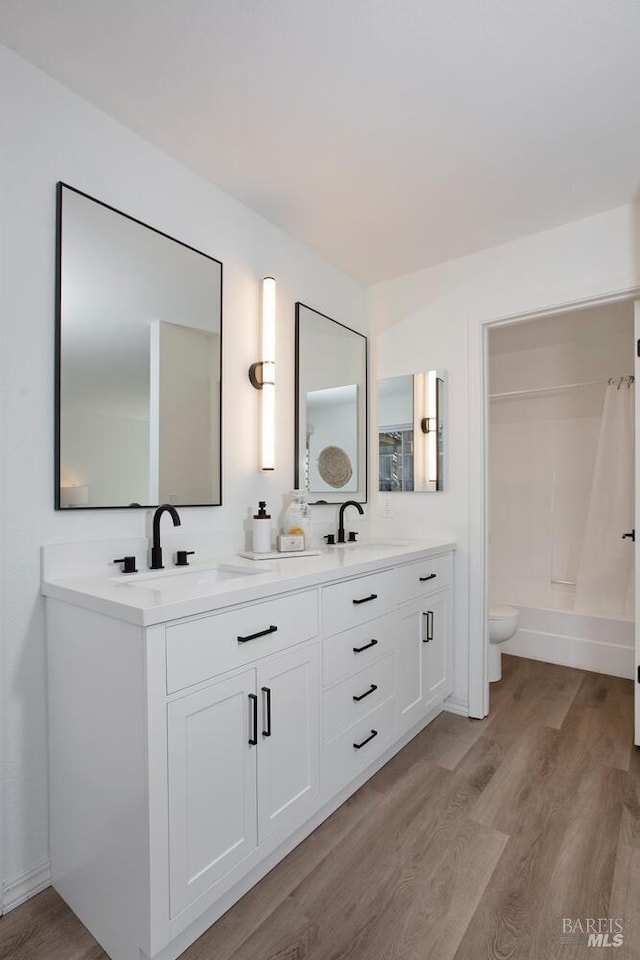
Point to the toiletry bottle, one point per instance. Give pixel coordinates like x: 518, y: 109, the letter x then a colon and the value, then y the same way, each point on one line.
x: 262, y: 529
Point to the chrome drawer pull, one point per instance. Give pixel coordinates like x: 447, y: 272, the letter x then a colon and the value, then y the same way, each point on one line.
x: 431, y: 576
x: 371, y: 689
x: 367, y: 646
x: 374, y: 733
x: 262, y: 633
x: 374, y: 596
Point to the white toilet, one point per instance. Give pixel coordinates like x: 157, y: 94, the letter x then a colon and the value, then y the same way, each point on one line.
x: 503, y: 623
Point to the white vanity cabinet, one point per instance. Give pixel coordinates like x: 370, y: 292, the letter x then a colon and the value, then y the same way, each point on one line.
x: 191, y: 748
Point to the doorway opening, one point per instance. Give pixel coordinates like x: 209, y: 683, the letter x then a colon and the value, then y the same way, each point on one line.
x: 478, y: 619
x: 559, y: 453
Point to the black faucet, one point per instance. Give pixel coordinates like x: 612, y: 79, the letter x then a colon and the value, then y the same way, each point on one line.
x: 343, y: 507
x: 156, y: 549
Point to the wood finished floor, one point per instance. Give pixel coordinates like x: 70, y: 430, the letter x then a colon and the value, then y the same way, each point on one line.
x: 471, y: 844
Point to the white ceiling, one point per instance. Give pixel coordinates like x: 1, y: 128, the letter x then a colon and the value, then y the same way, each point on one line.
x: 388, y: 135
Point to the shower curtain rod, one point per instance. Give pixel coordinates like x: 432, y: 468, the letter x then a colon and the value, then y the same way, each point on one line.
x: 559, y: 389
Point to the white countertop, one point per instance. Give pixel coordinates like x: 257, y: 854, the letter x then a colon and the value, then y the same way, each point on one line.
x: 157, y: 596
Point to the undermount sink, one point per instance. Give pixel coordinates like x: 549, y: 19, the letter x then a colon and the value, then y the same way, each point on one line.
x: 196, y: 577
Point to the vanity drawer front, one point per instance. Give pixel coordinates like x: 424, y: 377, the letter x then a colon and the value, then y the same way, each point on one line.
x: 200, y: 649
x: 341, y: 760
x: 357, y: 600
x: 423, y: 577
x: 352, y: 651
x: 350, y: 700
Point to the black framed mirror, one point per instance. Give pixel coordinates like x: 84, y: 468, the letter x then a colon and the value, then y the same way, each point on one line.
x: 138, y: 363
x: 330, y: 409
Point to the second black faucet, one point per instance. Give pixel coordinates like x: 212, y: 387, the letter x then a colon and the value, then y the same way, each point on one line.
x: 156, y: 549
x: 343, y: 507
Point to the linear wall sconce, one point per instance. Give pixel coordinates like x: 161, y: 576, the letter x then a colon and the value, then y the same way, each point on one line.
x: 262, y: 375
x: 427, y: 440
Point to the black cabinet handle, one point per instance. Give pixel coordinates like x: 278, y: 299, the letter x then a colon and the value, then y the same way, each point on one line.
x: 267, y: 691
x: 429, y: 615
x: 358, y: 746
x: 374, y: 596
x: 371, y: 689
x: 261, y: 633
x: 366, y: 646
x: 431, y: 576
x: 254, y: 719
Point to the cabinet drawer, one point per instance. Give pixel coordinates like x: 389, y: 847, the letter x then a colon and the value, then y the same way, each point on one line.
x: 353, y: 650
x: 357, y: 600
x: 200, y: 649
x: 350, y: 700
x: 342, y: 759
x: 425, y: 576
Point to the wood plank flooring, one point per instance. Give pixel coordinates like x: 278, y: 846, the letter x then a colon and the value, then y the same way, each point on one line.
x: 473, y: 843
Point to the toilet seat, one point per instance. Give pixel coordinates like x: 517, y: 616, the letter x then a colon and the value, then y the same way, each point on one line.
x: 502, y: 611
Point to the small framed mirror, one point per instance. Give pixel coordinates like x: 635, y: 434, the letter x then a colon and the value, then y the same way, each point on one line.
x: 411, y: 433
x: 138, y: 363
x: 330, y: 409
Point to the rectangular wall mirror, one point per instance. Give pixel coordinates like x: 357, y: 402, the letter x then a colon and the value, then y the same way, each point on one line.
x: 411, y: 433
x: 138, y: 363
x: 330, y: 409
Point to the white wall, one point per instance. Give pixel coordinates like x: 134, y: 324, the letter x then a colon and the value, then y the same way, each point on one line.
x: 434, y: 318
x: 543, y: 446
x: 109, y: 453
x: 334, y: 425
x: 49, y: 134
x: 189, y: 411
x: 396, y: 408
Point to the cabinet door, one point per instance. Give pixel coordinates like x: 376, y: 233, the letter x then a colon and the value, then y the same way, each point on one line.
x: 409, y: 671
x: 212, y: 785
x: 289, y: 739
x: 436, y: 649
x: 424, y: 653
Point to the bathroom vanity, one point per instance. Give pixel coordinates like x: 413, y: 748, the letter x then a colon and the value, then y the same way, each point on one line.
x: 203, y: 722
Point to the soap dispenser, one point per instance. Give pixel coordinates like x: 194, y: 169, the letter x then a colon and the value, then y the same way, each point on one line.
x: 262, y: 529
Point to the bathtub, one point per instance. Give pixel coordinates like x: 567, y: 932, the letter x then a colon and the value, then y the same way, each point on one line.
x: 574, y: 640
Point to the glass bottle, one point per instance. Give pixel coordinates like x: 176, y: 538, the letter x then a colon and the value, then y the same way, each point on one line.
x: 297, y: 517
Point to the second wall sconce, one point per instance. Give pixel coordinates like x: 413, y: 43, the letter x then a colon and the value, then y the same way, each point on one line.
x: 262, y: 375
x: 427, y: 439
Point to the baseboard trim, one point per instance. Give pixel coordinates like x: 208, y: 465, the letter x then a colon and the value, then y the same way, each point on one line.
x: 23, y: 888
x: 456, y: 705
x: 616, y: 660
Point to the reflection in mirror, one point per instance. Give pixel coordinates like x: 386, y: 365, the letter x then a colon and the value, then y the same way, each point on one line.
x: 331, y: 409
x: 411, y: 433
x: 139, y: 323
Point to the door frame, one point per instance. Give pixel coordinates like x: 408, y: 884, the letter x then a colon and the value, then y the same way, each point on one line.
x: 478, y: 339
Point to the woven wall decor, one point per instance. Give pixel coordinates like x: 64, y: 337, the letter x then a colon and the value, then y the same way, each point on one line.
x: 334, y: 466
